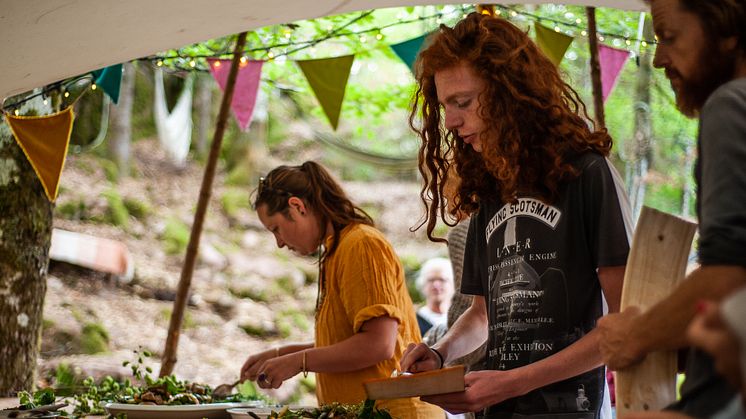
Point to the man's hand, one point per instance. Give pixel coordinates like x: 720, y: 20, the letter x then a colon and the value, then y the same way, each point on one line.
x: 619, y: 346
x: 483, y: 388
x: 419, y: 358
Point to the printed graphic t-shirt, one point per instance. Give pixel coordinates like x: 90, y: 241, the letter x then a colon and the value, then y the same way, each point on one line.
x: 535, y: 264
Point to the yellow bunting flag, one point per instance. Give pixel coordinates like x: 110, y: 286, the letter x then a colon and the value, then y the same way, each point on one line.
x: 554, y: 44
x: 44, y: 140
x: 328, y: 80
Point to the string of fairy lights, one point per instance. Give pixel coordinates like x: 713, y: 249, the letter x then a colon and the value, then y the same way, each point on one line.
x: 179, y: 61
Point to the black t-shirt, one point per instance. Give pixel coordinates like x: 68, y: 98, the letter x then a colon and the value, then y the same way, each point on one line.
x: 535, y: 264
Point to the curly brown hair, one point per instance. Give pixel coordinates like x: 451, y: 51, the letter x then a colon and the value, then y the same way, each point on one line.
x: 535, y: 123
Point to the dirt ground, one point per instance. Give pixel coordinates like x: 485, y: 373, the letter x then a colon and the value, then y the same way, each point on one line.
x: 241, y: 281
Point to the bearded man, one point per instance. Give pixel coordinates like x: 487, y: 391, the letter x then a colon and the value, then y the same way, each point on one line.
x: 702, y: 48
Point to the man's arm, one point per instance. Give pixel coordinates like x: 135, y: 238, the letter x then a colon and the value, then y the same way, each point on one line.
x: 627, y: 337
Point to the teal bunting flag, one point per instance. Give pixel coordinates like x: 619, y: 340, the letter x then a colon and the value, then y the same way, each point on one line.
x: 408, y: 50
x: 109, y: 79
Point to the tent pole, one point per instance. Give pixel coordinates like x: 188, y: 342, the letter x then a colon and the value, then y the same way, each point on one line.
x: 172, y: 341
x: 598, y: 99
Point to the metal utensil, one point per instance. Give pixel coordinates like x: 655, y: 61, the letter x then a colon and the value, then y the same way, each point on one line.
x: 224, y: 390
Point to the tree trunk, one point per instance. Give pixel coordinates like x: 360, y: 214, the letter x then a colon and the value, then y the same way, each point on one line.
x: 25, y: 237
x: 641, y: 152
x: 121, y: 122
x: 203, y: 105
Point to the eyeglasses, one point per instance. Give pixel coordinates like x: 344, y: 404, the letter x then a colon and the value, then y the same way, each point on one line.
x: 265, y: 187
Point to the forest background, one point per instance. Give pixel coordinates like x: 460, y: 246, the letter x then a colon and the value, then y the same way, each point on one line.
x: 247, y: 295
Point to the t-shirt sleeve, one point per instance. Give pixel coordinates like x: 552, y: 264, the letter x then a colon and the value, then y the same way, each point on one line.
x: 370, y: 285
x: 474, y: 251
x: 722, y: 230
x: 607, y: 233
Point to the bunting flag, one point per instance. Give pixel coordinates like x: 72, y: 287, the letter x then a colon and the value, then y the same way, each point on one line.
x: 408, y: 50
x: 110, y: 79
x: 554, y: 44
x: 247, y: 86
x: 328, y: 80
x: 611, y: 61
x: 44, y: 140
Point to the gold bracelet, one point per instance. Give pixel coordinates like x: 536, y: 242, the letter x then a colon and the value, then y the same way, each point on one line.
x: 305, y: 370
x: 277, y: 352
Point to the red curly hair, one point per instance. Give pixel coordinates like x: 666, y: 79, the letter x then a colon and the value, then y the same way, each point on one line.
x: 535, y: 122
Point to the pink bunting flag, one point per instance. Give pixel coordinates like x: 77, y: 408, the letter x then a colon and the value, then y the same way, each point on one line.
x: 611, y: 61
x: 247, y: 86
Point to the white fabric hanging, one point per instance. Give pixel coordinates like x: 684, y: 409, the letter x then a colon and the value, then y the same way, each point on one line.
x: 174, y: 128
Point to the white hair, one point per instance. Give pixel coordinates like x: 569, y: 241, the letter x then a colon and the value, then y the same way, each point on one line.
x: 441, y: 266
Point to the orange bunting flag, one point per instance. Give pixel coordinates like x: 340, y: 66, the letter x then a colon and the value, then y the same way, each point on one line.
x: 44, y: 140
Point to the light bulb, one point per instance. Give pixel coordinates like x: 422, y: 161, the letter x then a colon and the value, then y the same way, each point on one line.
x: 93, y: 86
x: 556, y: 28
x: 379, y: 36
x: 584, y: 33
x: 270, y: 55
x: 67, y: 94
x: 159, y: 63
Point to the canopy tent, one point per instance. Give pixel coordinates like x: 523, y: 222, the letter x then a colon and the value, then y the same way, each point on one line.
x: 45, y: 41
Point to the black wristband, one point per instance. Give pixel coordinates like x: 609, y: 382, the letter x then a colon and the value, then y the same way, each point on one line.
x: 440, y: 356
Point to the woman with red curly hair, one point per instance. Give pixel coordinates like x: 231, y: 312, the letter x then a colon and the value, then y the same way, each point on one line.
x: 547, y: 239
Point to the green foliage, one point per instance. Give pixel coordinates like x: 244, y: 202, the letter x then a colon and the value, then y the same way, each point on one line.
x: 66, y: 380
x: 259, y: 295
x: 137, y: 208
x: 111, y: 171
x: 234, y: 200
x: 75, y: 209
x: 175, y: 236
x: 285, y: 285
x: 39, y: 398
x: 296, y: 319
x: 117, y: 213
x: 187, y: 322
x: 94, y: 339
x: 254, y: 330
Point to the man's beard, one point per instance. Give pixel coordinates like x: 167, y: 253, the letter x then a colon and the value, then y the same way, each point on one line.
x: 717, y: 69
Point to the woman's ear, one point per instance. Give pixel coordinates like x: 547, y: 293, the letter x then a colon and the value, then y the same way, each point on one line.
x: 297, y: 204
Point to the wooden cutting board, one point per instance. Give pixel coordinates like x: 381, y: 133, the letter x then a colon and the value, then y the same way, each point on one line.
x: 446, y: 380
x: 656, y: 263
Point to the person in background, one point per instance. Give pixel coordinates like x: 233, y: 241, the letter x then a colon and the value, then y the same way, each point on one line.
x: 435, y: 283
x: 702, y: 48
x: 364, y: 313
x: 547, y: 237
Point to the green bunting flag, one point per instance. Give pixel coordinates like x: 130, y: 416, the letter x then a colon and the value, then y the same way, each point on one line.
x: 328, y: 80
x: 110, y: 79
x: 408, y: 50
x: 554, y: 44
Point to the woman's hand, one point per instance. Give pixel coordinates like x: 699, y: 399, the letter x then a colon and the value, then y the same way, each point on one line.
x: 483, y: 388
x: 250, y: 369
x: 273, y: 372
x: 419, y: 358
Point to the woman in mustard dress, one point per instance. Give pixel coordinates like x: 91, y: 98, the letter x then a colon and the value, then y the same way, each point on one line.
x: 364, y: 314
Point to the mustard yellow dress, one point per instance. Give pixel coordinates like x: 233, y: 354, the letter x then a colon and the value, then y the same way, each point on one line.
x: 363, y: 279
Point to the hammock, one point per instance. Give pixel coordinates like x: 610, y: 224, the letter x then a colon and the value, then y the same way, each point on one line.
x: 174, y: 128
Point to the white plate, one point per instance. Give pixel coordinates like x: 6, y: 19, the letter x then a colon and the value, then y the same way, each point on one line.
x: 190, y: 411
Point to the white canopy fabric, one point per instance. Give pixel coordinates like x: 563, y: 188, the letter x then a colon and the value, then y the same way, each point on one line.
x: 44, y: 41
